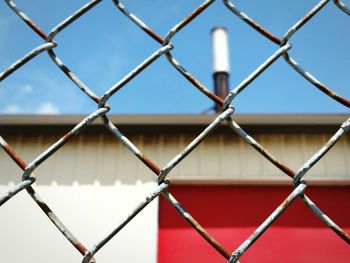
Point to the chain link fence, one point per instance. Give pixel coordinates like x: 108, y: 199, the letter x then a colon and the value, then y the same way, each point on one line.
x: 226, y: 117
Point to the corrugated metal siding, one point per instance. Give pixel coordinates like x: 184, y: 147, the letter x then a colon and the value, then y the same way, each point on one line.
x: 225, y: 157
x: 100, y: 157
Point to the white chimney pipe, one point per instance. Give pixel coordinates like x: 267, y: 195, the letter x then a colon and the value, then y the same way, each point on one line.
x: 220, y: 51
x: 221, y: 65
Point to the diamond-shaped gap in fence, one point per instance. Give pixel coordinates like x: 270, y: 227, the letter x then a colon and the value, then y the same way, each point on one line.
x: 101, y: 43
x: 172, y: 163
x: 299, y: 225
x: 322, y: 51
x: 138, y: 22
x: 297, y: 26
x: 251, y: 205
x: 198, y: 173
x: 297, y: 176
x: 193, y: 47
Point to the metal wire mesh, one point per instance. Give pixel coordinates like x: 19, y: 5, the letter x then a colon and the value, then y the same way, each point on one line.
x: 226, y: 117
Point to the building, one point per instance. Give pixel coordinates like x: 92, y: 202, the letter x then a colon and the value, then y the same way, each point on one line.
x: 94, y: 181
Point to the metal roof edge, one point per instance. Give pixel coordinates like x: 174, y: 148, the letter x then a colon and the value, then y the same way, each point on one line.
x: 179, y: 119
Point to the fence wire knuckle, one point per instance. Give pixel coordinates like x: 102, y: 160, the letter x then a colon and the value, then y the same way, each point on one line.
x: 226, y: 117
x: 342, y: 6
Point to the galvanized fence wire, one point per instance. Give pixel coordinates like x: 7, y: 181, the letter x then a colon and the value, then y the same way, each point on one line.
x: 298, y: 184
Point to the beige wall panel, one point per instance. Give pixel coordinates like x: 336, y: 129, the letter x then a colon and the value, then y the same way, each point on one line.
x: 102, y: 158
x: 208, y: 157
x: 274, y: 145
x: 9, y: 170
x: 188, y: 167
x: 251, y: 161
x: 230, y: 157
x: 336, y: 162
x: 153, y: 147
x: 292, y: 154
x: 346, y: 150
x: 61, y: 166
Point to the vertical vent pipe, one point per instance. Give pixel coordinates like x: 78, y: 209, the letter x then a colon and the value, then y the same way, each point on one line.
x: 221, y: 66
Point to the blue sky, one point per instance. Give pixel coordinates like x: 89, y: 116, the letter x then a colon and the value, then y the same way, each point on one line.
x: 104, y: 45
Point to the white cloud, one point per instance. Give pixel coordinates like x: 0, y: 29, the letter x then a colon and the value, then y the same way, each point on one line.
x: 27, y: 88
x: 48, y: 108
x: 11, y: 109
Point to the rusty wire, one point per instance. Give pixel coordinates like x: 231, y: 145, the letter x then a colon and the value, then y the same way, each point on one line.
x: 298, y: 185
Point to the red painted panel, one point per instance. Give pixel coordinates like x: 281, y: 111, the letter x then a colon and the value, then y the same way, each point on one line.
x: 232, y: 213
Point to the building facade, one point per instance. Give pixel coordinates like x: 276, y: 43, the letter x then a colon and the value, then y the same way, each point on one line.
x: 94, y: 181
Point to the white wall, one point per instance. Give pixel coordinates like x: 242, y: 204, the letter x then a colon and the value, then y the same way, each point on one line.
x: 90, y: 212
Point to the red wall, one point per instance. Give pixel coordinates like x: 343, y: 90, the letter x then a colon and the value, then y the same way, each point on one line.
x: 232, y: 213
